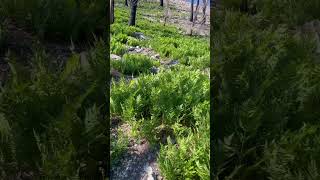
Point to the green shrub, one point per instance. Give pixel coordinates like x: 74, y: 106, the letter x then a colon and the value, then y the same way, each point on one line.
x: 121, y: 38
x: 172, y: 105
x: 117, y: 48
x: 118, y: 147
x: 63, y: 18
x: 294, y: 155
x: 160, y: 100
x: 265, y: 84
x: 3, y: 33
x: 189, y: 158
x: 134, y: 42
x: 290, y: 12
x: 56, y: 118
x: 183, y: 49
x: 134, y: 64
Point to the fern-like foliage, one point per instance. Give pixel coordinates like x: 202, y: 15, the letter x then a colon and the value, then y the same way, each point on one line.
x: 58, y: 18
x: 265, y: 89
x: 57, y: 116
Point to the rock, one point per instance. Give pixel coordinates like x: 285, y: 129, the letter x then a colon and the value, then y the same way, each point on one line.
x: 83, y: 59
x: 154, y: 70
x: 130, y: 48
x: 27, y: 176
x: 149, y: 170
x: 149, y: 173
x: 138, y: 50
x: 139, y: 35
x: 115, y: 74
x: 173, y: 63
x: 156, y: 56
x: 115, y: 57
x: 316, y: 25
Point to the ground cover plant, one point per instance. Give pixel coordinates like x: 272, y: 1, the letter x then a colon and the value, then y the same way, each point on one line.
x: 266, y: 100
x: 3, y: 33
x: 134, y: 64
x: 53, y: 122
x: 52, y: 119
x: 76, y: 19
x: 168, y: 107
x: 168, y: 42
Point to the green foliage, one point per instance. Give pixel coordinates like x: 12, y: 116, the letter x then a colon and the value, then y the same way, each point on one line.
x: 171, y: 103
x: 170, y: 108
x: 185, y: 49
x: 63, y: 18
x: 3, y: 32
x: 120, y: 41
x: 166, y: 40
x: 133, y: 42
x: 118, y: 147
x: 266, y: 88
x: 134, y: 64
x: 236, y: 4
x: 117, y: 48
x: 291, y: 12
x: 295, y: 155
x: 162, y: 99
x: 56, y: 117
x: 190, y: 157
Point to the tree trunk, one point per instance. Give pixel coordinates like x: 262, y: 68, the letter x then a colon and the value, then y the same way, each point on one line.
x: 126, y: 2
x: 78, y: 4
x: 244, y: 6
x: 161, y: 3
x: 196, y: 14
x: 166, y: 12
x: 191, y: 11
x: 112, y: 12
x: 204, y: 9
x: 132, y: 21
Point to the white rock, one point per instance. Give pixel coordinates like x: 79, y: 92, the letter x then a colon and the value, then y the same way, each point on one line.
x: 156, y: 56
x: 139, y: 50
x: 114, y: 57
x: 131, y: 48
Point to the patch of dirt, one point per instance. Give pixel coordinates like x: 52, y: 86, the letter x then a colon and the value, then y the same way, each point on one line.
x: 139, y: 161
x: 180, y: 13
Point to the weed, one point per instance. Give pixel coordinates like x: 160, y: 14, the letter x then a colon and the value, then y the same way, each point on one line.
x: 56, y: 119
x: 66, y: 19
x: 134, y: 64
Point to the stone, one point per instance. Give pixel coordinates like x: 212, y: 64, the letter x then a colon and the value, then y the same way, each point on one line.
x: 149, y: 170
x: 139, y: 35
x: 316, y: 25
x: 156, y: 56
x: 173, y: 62
x: 115, y: 57
x: 83, y: 59
x: 131, y: 48
x: 138, y: 50
x: 115, y: 74
x: 149, y: 173
x: 154, y: 70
